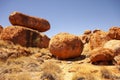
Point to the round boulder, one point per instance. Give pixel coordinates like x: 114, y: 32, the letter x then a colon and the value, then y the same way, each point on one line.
x: 65, y: 45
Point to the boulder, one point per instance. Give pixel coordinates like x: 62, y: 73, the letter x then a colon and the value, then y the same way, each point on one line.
x: 114, y: 33
x: 20, y: 19
x: 86, y: 36
x: 65, y: 45
x: 101, y: 55
x: 98, y: 39
x: 1, y: 28
x: 87, y: 32
x: 113, y: 45
x: 24, y: 36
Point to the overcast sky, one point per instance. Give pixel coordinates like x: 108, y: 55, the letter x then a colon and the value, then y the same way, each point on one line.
x: 72, y: 16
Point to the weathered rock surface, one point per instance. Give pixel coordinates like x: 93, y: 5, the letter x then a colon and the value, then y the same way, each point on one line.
x: 20, y: 19
x: 25, y: 37
x: 101, y: 54
x: 114, y: 33
x: 98, y: 39
x: 113, y: 45
x: 65, y: 45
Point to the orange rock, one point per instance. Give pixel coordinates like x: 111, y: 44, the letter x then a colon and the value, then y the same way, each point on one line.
x: 113, y: 45
x: 98, y: 39
x: 1, y: 28
x: 88, y: 32
x: 86, y: 36
x: 114, y: 33
x: 65, y: 45
x: 101, y: 54
x: 20, y: 19
x: 24, y: 36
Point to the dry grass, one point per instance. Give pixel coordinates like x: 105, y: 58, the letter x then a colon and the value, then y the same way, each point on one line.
x: 86, y: 72
x: 23, y: 76
x: 105, y: 74
x: 51, y: 71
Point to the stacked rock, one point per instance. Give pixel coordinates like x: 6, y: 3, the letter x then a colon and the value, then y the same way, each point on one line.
x: 26, y: 30
x: 35, y: 23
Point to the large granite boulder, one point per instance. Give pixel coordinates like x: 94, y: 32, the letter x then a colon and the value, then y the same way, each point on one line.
x: 20, y: 19
x: 114, y: 33
x: 98, y: 39
x: 25, y: 37
x: 65, y: 45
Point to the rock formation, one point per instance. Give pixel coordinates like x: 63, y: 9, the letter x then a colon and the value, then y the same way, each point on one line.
x: 101, y: 55
x: 98, y: 39
x: 20, y: 19
x: 24, y: 36
x: 65, y: 45
x: 113, y: 45
x: 114, y: 33
x: 86, y: 36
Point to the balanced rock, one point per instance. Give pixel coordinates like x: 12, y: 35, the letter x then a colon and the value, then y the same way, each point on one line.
x: 101, y: 54
x: 113, y: 45
x: 114, y: 33
x: 24, y: 36
x: 98, y: 39
x: 20, y: 19
x: 65, y: 45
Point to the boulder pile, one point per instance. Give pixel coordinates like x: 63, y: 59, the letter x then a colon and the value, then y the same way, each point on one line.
x: 99, y: 46
x: 102, y: 47
x: 26, y: 31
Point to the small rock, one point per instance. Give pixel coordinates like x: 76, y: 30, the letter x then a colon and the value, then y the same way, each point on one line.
x: 88, y: 32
